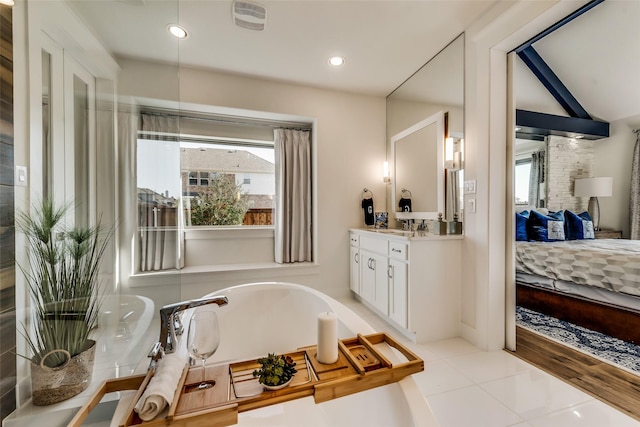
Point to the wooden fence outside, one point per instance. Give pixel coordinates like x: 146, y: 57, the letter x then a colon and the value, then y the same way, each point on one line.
x: 164, y: 216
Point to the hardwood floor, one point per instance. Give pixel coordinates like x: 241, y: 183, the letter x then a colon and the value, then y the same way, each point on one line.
x: 601, y: 380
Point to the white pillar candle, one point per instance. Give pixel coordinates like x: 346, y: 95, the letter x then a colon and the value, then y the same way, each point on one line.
x: 327, y: 338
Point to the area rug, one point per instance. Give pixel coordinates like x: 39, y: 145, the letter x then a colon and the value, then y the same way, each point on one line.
x: 599, y: 345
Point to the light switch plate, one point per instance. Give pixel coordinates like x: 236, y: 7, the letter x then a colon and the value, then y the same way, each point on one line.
x: 470, y: 187
x: 21, y: 176
x: 472, y: 205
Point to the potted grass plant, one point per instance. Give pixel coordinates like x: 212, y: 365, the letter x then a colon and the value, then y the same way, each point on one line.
x: 62, y: 277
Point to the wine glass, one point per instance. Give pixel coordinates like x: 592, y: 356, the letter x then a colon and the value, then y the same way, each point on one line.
x: 203, y: 339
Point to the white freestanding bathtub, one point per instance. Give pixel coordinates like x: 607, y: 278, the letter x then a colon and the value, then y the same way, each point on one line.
x: 247, y: 327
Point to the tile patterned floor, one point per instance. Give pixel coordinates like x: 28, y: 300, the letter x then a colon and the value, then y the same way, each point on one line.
x: 467, y: 387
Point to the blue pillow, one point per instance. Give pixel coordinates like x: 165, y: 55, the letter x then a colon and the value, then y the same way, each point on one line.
x: 521, y: 226
x: 578, y: 226
x: 545, y: 228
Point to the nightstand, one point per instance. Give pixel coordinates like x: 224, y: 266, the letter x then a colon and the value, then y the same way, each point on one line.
x: 608, y: 234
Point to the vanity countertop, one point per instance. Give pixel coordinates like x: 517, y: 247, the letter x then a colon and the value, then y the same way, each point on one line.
x: 398, y: 234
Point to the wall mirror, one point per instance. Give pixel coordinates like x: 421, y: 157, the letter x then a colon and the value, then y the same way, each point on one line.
x: 433, y: 94
x: 417, y: 154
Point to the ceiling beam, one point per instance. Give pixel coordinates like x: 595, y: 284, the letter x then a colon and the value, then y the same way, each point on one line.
x: 533, y: 125
x: 553, y: 84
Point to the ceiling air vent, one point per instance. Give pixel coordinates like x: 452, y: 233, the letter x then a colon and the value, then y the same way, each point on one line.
x: 249, y: 15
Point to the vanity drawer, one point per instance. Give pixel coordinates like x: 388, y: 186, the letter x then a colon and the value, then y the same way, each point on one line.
x: 398, y: 250
x: 374, y: 245
x: 354, y: 239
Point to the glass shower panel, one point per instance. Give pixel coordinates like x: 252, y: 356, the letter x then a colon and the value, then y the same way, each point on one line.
x: 47, y: 158
x: 81, y: 151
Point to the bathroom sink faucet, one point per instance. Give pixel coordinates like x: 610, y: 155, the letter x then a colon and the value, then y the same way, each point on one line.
x: 169, y: 320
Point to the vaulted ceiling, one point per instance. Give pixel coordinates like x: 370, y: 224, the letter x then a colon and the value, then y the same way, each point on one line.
x: 597, y: 57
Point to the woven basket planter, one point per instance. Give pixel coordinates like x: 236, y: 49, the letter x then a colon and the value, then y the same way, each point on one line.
x: 53, y: 385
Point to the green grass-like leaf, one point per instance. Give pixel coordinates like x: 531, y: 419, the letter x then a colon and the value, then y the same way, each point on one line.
x: 62, y: 277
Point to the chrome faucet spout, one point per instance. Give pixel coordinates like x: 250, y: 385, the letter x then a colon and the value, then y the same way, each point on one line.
x: 168, y: 317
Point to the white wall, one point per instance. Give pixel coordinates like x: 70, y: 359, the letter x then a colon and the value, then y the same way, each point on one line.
x: 613, y: 157
x: 350, y: 149
x: 487, y: 144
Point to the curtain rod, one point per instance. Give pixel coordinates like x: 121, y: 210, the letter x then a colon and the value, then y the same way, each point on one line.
x: 225, y: 119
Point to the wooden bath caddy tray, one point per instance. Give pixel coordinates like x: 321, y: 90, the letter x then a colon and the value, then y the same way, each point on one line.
x: 363, y: 363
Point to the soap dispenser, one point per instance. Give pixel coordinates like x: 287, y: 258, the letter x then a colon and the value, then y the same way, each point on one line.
x: 440, y: 227
x: 455, y: 226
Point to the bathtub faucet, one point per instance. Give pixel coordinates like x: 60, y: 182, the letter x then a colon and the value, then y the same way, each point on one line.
x: 169, y: 320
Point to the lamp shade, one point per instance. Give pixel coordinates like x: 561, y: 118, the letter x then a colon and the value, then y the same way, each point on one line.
x: 593, y: 187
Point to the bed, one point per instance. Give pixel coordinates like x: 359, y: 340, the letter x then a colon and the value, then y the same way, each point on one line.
x: 591, y: 283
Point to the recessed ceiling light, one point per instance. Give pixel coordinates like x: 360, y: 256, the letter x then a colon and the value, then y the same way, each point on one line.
x: 177, y: 31
x: 336, y: 61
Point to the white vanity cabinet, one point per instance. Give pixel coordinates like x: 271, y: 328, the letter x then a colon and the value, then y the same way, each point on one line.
x: 373, y: 272
x: 398, y: 269
x: 354, y: 265
x: 411, y: 282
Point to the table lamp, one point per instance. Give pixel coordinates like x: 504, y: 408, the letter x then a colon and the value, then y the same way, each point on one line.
x: 594, y: 188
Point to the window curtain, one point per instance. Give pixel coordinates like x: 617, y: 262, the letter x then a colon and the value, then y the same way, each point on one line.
x: 293, y: 192
x: 536, y: 177
x: 160, y: 244
x: 634, y: 196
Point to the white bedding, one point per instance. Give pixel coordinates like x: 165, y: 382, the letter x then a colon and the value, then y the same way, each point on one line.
x: 611, y: 264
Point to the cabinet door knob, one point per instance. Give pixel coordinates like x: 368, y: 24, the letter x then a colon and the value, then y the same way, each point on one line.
x: 390, y: 271
x: 355, y: 258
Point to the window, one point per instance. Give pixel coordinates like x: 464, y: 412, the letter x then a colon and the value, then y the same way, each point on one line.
x: 204, y: 178
x: 522, y: 174
x: 222, y: 180
x: 193, y: 178
x: 199, y: 179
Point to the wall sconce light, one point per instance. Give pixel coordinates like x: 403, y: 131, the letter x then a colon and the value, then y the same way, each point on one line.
x: 385, y: 173
x: 453, y: 154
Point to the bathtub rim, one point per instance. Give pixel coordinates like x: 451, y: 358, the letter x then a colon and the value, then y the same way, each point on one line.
x: 421, y: 412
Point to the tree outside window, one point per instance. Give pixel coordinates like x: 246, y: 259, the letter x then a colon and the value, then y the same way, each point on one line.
x: 222, y: 203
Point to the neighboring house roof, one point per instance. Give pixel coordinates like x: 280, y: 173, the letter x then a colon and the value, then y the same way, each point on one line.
x: 150, y: 197
x: 224, y: 160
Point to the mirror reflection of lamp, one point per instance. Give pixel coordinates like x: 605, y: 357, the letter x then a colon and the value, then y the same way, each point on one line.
x: 594, y: 188
x: 453, y: 154
x: 385, y: 173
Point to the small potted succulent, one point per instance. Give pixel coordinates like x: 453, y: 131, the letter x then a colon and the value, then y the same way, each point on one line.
x: 276, y: 371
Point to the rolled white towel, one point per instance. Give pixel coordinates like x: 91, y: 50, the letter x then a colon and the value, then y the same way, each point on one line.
x: 162, y: 387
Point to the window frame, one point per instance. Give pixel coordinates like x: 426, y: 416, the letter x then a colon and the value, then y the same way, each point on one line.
x: 243, y: 233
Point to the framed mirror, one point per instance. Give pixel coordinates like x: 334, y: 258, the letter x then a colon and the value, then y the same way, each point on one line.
x: 418, y: 165
x: 434, y: 93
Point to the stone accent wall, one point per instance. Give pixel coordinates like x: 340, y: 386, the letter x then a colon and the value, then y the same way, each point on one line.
x: 7, y: 229
x: 567, y: 159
